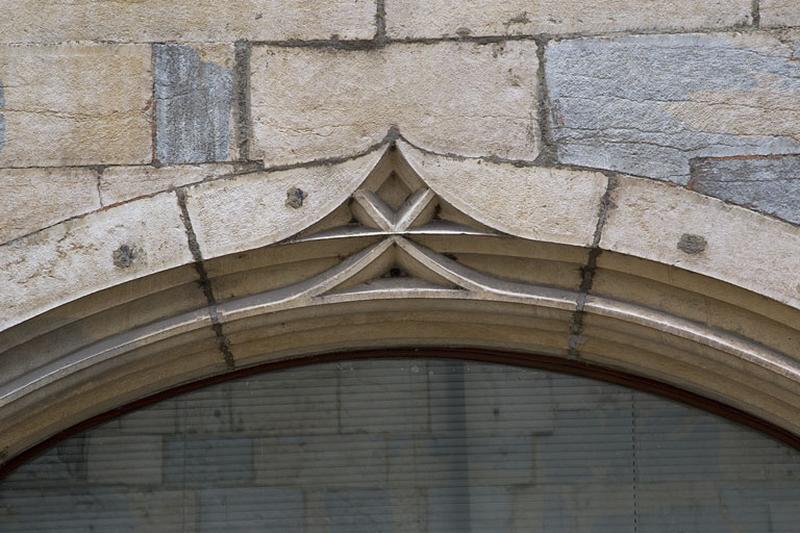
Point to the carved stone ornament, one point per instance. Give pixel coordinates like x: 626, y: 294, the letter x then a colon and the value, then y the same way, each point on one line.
x: 397, y: 247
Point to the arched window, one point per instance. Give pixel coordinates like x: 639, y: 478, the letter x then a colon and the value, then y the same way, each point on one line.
x: 409, y: 445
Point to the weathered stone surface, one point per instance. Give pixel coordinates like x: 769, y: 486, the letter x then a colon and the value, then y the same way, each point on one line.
x: 75, y: 104
x: 438, y: 18
x: 645, y: 105
x: 779, y: 13
x: 2, y: 118
x: 649, y: 220
x: 75, y: 258
x: 32, y: 199
x: 536, y: 203
x: 770, y: 185
x: 310, y: 103
x: 185, y: 20
x: 120, y: 184
x: 194, y: 103
x: 233, y: 215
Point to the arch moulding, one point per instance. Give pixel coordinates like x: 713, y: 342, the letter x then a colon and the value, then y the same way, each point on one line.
x: 397, y: 247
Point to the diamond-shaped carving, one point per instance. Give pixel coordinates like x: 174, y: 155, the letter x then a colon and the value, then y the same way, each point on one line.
x: 394, y: 192
x: 395, y: 200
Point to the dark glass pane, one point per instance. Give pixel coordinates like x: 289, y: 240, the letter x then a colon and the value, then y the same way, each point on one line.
x: 410, y: 445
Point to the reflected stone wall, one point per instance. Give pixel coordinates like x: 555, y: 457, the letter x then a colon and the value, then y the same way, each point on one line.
x: 410, y: 446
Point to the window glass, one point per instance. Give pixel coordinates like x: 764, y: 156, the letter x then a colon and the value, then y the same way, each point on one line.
x: 410, y: 445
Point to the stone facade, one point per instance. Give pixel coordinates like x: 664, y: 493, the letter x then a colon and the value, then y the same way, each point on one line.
x: 192, y: 187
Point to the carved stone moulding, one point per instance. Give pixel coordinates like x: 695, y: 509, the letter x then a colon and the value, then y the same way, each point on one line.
x: 399, y: 248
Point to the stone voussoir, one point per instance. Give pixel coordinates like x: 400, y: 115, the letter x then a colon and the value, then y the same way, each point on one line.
x: 439, y: 18
x: 81, y: 256
x: 125, y: 183
x: 674, y: 226
x: 75, y: 104
x: 246, y: 212
x: 544, y: 204
x: 647, y: 105
x: 310, y: 104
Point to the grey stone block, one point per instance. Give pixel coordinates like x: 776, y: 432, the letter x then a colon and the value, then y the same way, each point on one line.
x: 193, y: 106
x: 646, y: 105
x: 770, y: 185
x: 264, y: 509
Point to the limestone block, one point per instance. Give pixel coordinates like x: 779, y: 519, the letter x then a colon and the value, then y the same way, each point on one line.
x: 186, y: 20
x: 32, y: 199
x: 646, y: 105
x: 194, y: 103
x: 120, y: 184
x: 650, y: 220
x: 770, y: 185
x: 779, y: 13
x: 245, y: 212
x: 441, y: 18
x: 78, y: 257
x: 450, y: 97
x: 535, y: 203
x: 75, y: 104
